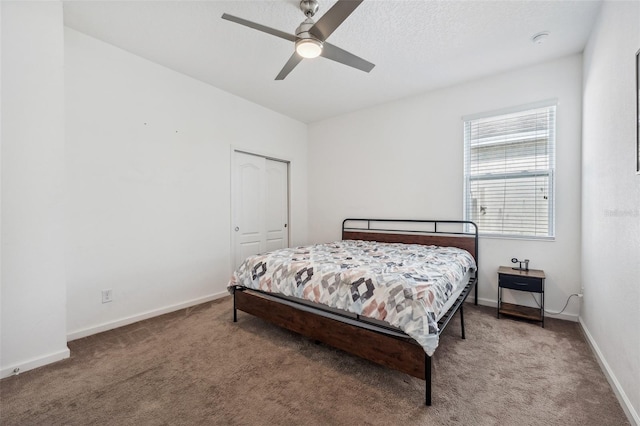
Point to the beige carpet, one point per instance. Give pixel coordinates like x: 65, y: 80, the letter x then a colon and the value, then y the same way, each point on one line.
x: 196, y: 366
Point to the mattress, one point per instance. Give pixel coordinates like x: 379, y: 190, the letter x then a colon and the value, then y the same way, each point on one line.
x: 406, y: 286
x: 355, y: 319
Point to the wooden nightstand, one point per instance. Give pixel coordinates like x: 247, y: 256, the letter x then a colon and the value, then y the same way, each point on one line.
x: 531, y: 281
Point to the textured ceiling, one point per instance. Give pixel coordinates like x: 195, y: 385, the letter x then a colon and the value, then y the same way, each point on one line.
x: 416, y: 45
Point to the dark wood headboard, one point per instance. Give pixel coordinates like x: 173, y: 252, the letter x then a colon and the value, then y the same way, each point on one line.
x: 449, y: 233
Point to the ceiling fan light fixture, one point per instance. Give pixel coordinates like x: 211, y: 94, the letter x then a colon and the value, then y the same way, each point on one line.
x: 308, y: 48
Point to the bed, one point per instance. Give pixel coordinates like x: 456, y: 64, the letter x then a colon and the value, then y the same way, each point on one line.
x: 299, y: 289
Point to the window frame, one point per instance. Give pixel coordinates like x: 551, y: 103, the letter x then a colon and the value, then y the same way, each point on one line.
x: 468, y: 178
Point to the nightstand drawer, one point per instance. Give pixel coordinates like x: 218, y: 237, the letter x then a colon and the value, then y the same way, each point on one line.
x: 521, y: 283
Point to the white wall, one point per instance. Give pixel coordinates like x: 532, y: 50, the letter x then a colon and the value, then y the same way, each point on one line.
x: 33, y: 311
x: 405, y: 160
x: 611, y: 199
x: 148, y: 168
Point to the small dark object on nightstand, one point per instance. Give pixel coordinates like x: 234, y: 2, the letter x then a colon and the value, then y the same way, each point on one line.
x: 520, y: 268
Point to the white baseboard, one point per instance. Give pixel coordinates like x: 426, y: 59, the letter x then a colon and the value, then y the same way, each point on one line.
x: 78, y: 334
x: 21, y: 367
x: 494, y: 304
x: 624, y: 401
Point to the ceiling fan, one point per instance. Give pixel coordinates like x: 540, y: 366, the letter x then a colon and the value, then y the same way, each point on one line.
x: 310, y: 38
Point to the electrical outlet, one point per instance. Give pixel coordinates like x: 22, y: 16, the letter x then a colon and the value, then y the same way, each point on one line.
x: 107, y: 296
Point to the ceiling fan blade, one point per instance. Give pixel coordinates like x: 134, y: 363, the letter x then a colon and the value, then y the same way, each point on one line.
x: 332, y: 19
x: 259, y: 27
x: 334, y: 53
x: 294, y: 60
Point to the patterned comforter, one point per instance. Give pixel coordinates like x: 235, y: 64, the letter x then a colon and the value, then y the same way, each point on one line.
x: 405, y: 285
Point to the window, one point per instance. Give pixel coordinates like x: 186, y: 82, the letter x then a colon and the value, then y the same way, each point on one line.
x: 509, y: 166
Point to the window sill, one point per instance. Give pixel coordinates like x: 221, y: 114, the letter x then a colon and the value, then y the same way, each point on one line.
x: 516, y: 237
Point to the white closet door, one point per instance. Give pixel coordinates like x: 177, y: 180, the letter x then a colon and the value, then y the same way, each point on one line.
x: 276, y: 214
x: 260, y: 205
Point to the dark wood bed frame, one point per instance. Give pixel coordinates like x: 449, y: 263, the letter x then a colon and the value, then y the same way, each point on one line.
x: 400, y: 353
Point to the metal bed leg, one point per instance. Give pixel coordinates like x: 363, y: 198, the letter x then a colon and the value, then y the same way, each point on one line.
x: 235, y: 311
x: 462, y: 318
x: 427, y: 379
x: 476, y: 290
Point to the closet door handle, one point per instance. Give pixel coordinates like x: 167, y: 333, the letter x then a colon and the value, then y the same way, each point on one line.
x: 237, y: 229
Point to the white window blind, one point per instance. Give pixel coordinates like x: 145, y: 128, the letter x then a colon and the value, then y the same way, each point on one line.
x: 509, y: 173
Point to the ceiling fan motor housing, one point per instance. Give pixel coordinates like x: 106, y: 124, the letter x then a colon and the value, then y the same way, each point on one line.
x: 303, y: 29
